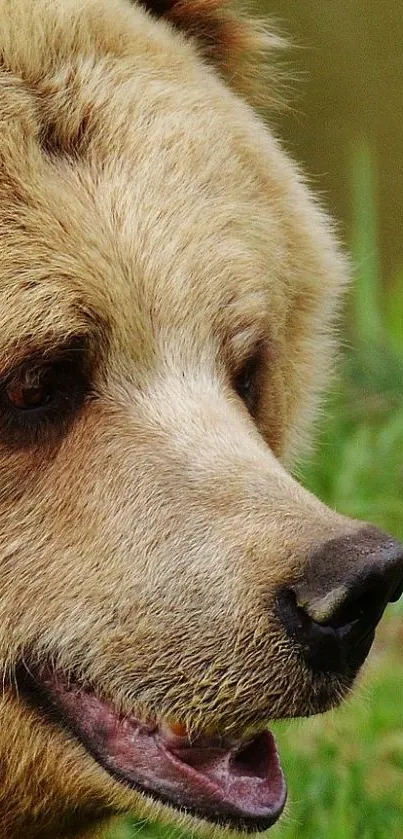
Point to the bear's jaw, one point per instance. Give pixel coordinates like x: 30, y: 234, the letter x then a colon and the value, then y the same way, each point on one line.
x: 236, y: 782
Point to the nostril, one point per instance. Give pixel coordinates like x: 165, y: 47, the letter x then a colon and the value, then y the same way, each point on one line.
x: 342, y: 641
x: 364, y: 602
x: 319, y: 644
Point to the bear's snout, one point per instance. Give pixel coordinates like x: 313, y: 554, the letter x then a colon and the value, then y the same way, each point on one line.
x: 333, y: 612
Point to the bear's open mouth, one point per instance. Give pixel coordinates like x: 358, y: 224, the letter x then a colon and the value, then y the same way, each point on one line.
x: 235, y: 782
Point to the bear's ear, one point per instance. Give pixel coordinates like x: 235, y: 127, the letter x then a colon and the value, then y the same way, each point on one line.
x: 235, y: 44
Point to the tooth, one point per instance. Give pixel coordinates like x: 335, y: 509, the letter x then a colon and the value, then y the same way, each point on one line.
x: 178, y: 729
x: 174, y: 732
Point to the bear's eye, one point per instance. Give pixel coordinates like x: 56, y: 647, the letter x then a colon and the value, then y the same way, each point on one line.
x: 32, y: 389
x: 246, y: 381
x: 42, y: 394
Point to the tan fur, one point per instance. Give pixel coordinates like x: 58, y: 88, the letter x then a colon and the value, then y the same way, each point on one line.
x: 147, y: 212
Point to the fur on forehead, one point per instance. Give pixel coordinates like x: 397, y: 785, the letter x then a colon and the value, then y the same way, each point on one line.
x: 237, y: 45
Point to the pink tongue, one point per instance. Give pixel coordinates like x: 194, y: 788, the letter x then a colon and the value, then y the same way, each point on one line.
x: 246, y: 780
x: 241, y: 783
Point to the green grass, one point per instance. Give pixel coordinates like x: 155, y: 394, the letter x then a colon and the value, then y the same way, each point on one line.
x: 345, y: 770
x: 358, y: 467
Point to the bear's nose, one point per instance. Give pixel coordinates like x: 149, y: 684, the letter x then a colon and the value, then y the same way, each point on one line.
x: 331, y: 615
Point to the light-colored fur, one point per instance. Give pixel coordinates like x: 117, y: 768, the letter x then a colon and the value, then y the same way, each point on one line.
x: 146, y: 211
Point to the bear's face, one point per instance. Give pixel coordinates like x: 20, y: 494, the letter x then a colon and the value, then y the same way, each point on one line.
x: 167, y: 291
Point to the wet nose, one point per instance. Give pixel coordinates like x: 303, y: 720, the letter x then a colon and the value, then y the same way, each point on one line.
x: 332, y: 613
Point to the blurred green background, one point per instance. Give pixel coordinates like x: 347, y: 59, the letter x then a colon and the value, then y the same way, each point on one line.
x: 345, y: 770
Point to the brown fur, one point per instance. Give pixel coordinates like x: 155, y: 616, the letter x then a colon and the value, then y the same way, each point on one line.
x: 150, y: 221
x: 236, y: 45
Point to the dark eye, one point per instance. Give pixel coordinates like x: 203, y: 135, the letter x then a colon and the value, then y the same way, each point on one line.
x: 246, y: 382
x: 41, y: 396
x: 32, y: 389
